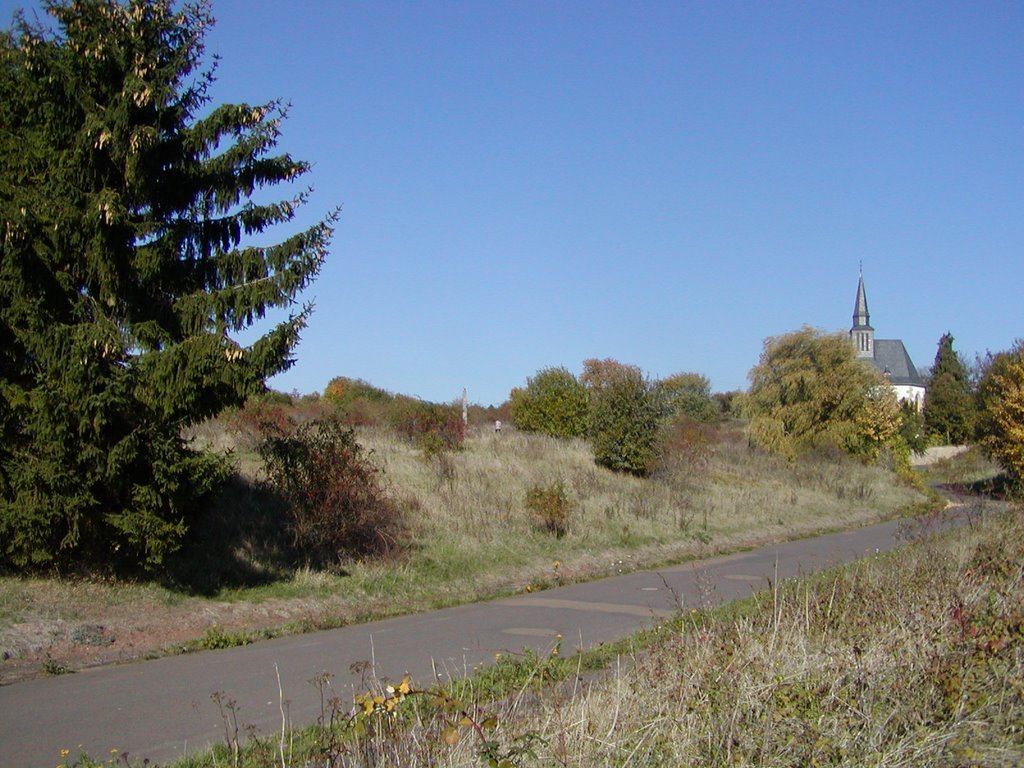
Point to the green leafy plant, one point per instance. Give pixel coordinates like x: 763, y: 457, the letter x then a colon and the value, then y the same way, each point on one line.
x: 688, y: 395
x: 52, y: 667
x: 217, y: 637
x: 625, y: 419
x: 553, y: 403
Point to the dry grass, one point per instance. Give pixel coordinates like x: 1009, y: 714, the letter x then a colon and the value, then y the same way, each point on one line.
x: 474, y: 536
x: 916, y: 660
x: 735, y: 495
x: 910, y: 659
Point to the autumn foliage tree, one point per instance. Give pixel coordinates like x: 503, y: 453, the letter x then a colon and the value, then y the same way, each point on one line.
x: 128, y: 234
x: 1001, y: 409
x: 809, y: 391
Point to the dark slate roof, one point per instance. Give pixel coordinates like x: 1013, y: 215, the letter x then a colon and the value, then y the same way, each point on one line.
x: 892, y: 359
x: 861, y: 318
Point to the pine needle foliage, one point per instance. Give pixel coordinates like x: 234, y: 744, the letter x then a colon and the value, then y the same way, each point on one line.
x: 949, y: 407
x: 127, y: 231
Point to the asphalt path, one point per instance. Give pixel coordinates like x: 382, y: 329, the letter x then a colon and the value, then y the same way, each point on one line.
x: 162, y: 709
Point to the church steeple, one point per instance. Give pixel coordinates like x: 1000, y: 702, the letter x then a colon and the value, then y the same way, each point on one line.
x: 862, y: 334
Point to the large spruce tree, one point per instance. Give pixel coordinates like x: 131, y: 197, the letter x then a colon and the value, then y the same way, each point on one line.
x: 130, y: 260
x: 949, y: 406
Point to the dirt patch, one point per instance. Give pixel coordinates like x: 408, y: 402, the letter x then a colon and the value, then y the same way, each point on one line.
x: 936, y: 453
x: 48, y: 646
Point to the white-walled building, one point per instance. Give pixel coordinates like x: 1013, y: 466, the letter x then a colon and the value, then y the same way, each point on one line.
x: 887, y: 355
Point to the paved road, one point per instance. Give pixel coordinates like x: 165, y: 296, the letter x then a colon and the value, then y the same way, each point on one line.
x: 162, y: 709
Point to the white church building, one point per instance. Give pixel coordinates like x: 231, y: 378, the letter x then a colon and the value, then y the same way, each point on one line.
x: 887, y: 355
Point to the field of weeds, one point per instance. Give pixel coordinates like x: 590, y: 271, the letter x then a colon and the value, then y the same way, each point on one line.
x: 473, y: 535
x: 913, y: 658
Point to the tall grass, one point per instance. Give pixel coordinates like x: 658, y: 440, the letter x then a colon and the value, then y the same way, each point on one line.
x: 473, y: 535
x: 913, y: 658
x: 476, y: 500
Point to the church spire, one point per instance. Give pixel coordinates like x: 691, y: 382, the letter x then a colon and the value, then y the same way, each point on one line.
x: 862, y: 334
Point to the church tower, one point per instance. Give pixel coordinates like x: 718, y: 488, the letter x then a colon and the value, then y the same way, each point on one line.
x: 862, y: 334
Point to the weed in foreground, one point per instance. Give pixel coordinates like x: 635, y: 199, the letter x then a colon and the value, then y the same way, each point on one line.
x: 52, y: 667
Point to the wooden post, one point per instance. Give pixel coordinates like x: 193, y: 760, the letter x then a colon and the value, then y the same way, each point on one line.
x: 465, y: 409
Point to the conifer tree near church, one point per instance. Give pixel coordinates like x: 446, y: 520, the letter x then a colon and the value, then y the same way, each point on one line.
x: 949, y: 407
x: 129, y: 263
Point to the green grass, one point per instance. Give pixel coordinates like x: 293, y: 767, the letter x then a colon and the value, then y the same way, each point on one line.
x: 971, y: 470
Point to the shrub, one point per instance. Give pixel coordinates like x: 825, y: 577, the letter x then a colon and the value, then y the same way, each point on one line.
x: 730, y: 403
x: 625, y: 418
x: 336, y: 506
x: 432, y: 427
x: 685, y: 447
x: 877, y: 424
x: 486, y: 415
x: 912, y: 428
x: 553, y: 403
x: 689, y: 395
x: 359, y: 402
x: 551, y: 507
x: 259, y: 417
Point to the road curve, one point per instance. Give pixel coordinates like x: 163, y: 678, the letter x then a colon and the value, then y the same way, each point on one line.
x: 162, y: 709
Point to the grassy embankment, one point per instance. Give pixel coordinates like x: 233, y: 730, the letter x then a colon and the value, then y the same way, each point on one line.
x: 913, y: 658
x: 472, y: 536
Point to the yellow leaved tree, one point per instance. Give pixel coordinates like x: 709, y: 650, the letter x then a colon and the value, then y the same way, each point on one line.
x: 809, y: 391
x: 1001, y: 405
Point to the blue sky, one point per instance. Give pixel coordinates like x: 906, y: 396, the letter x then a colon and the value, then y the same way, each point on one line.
x: 528, y: 184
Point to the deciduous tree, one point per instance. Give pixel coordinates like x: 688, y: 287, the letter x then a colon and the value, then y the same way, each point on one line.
x: 808, y: 390
x: 553, y: 403
x: 130, y: 262
x: 1001, y: 409
x: 688, y: 395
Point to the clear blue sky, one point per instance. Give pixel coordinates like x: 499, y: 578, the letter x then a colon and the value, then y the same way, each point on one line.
x: 527, y: 184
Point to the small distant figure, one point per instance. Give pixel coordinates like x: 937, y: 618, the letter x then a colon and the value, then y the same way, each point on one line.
x: 497, y: 426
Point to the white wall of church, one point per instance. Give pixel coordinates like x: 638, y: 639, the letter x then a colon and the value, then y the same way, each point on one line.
x: 911, y: 394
